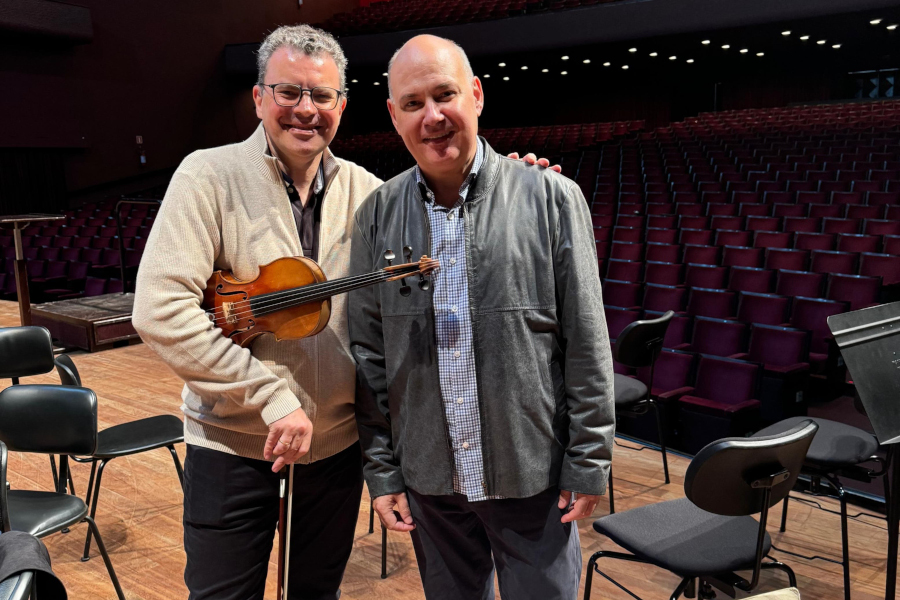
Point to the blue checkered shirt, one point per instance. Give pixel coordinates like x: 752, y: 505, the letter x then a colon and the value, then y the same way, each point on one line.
x: 453, y: 328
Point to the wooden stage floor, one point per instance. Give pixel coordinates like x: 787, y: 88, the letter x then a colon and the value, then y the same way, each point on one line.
x: 139, y: 513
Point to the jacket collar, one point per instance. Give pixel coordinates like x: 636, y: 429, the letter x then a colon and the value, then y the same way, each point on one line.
x: 483, y: 181
x: 257, y: 146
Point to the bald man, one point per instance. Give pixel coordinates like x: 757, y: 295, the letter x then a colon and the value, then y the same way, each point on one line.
x: 487, y: 415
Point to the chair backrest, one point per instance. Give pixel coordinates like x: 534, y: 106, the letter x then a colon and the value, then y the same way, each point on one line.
x: 641, y: 342
x: 726, y: 380
x: 49, y: 419
x: 25, y: 351
x: 68, y: 373
x: 718, y: 337
x: 728, y: 477
x: 781, y: 346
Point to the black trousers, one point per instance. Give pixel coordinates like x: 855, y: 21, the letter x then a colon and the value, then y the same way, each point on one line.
x: 231, y: 514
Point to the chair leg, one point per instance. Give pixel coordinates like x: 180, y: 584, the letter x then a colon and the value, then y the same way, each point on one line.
x: 371, y: 516
x: 383, y: 552
x: 662, y: 439
x: 87, y: 542
x: 53, y: 471
x: 845, y: 542
x: 691, y: 590
x: 177, y: 466
x: 782, y: 567
x: 589, y: 577
x: 612, y: 495
x: 784, y: 509
x: 71, y: 482
x: 92, y: 527
x: 687, y: 581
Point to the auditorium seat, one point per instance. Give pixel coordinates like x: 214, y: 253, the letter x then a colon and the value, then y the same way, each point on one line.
x: 784, y: 354
x: 705, y: 276
x: 885, y: 266
x: 671, y: 274
x: 718, y: 304
x: 622, y: 294
x: 795, y: 283
x: 832, y: 261
x: 812, y: 314
x: 718, y: 337
x: 662, y: 298
x: 624, y: 270
x: 858, y: 290
x: 768, y: 309
x: 739, y: 256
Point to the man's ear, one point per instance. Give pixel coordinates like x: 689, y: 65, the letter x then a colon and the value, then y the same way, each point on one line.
x: 390, y: 107
x: 478, y: 92
x: 257, y: 100
x: 343, y: 105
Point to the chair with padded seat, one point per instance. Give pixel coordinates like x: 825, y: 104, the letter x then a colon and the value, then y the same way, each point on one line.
x: 711, y: 533
x: 126, y: 439
x: 839, y: 450
x: 48, y: 419
x: 637, y: 346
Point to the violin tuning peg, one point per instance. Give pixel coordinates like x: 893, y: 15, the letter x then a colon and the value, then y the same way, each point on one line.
x: 405, y: 290
x: 424, y: 284
x: 407, y: 252
x: 389, y: 256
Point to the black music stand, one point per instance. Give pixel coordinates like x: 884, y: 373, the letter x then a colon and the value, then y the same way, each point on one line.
x: 869, y: 340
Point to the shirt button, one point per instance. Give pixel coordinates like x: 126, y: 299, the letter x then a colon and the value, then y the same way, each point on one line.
x: 452, y: 261
x: 450, y: 216
x: 456, y: 354
x: 453, y: 308
x: 459, y: 400
x: 466, y: 445
x: 290, y: 190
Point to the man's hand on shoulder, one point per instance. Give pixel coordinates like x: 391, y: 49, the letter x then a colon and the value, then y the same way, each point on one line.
x: 531, y: 159
x: 289, y: 439
x: 583, y: 506
x: 392, y: 506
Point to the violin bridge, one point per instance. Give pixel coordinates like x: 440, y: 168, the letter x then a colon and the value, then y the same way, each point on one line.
x: 230, y: 317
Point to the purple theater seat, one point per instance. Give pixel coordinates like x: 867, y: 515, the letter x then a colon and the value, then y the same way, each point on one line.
x: 718, y: 304
x: 678, y: 335
x: 719, y: 337
x: 763, y: 224
x: 662, y: 236
x: 727, y: 222
x: 618, y: 319
x: 663, y: 273
x: 727, y: 237
x: 891, y: 245
x: 747, y: 279
x: 881, y: 227
x: 693, y: 222
x: 799, y: 283
x: 772, y: 239
x: 828, y: 261
x: 741, y: 256
x: 831, y: 225
x: 696, y: 237
x: 755, y: 210
x: 701, y: 255
x: 661, y: 298
x: 705, y: 276
x: 802, y: 224
x: 859, y: 291
x: 627, y: 251
x: 883, y: 198
x: 812, y: 315
x: 789, y: 210
x: 664, y: 252
x: 770, y: 309
x: 662, y: 221
x: 621, y: 293
x: 826, y: 211
x: 784, y: 354
x: 857, y: 242
x: 885, y: 266
x: 814, y: 241
x: 672, y: 373
x: 624, y: 270
x: 717, y: 209
x: 627, y: 234
x: 854, y: 211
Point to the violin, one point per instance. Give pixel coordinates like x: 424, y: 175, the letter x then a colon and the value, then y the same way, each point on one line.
x: 291, y: 297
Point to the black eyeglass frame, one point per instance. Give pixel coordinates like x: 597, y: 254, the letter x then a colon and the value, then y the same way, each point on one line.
x: 302, y: 90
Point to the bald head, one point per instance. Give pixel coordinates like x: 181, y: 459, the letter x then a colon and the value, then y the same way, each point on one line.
x: 427, y: 48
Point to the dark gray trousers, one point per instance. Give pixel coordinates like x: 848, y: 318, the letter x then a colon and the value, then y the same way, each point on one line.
x: 460, y: 543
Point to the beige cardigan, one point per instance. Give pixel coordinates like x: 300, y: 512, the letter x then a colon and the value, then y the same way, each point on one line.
x: 226, y: 208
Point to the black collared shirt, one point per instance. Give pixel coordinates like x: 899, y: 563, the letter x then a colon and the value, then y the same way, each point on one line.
x: 308, y: 218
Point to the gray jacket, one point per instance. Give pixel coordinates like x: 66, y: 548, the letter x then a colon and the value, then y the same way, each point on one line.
x: 542, y: 354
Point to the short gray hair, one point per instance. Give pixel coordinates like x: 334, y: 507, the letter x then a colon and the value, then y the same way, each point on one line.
x: 303, y: 38
x: 462, y: 53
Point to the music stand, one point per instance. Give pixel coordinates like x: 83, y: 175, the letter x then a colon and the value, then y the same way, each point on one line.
x: 17, y: 223
x: 869, y: 340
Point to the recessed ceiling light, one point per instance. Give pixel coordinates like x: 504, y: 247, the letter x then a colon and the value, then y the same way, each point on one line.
x: 804, y: 37
x: 565, y: 58
x: 502, y: 65
x: 545, y: 70
x: 354, y: 81
x: 706, y: 42
x: 673, y: 57
x: 506, y: 79
x: 760, y: 53
x: 891, y: 27
x: 786, y: 32
x: 836, y: 46
x: 625, y: 67
x: 606, y: 64
x: 632, y: 50
x: 821, y: 42
x: 377, y: 83
x: 874, y: 21
x: 487, y: 76
x: 744, y: 51
x: 726, y: 47
x: 384, y: 74
x: 524, y: 68
x: 690, y: 61
x: 587, y: 61
x: 564, y: 73
x: 654, y: 54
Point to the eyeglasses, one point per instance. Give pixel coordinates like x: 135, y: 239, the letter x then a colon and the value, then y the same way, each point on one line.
x: 288, y: 94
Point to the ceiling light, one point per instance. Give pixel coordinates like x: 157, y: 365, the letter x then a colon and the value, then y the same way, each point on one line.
x: 377, y: 83
x: 506, y: 79
x: 705, y: 42
x: 804, y: 37
x: 744, y: 51
x: 673, y: 57
x: 690, y: 61
x: 565, y: 58
x: 786, y: 32
x: 821, y: 42
x: 487, y: 76
x: 891, y: 27
x: 726, y: 47
x: 384, y: 74
x: 836, y: 46
x: 502, y: 65
x: 564, y: 73
x: 587, y: 61
x: 632, y: 50
x: 874, y: 21
x: 354, y: 81
x: 524, y: 68
x: 625, y: 67
x: 760, y: 53
x: 545, y: 70
x: 606, y: 64
x: 654, y: 54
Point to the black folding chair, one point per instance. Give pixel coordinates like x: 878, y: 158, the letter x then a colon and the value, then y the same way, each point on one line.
x: 639, y: 346
x: 710, y: 534
x: 48, y: 419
